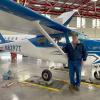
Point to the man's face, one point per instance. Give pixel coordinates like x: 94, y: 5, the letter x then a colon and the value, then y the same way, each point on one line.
x: 75, y: 39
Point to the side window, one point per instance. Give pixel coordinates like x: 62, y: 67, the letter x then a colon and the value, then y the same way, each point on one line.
x: 42, y: 40
x: 82, y: 36
x: 62, y: 40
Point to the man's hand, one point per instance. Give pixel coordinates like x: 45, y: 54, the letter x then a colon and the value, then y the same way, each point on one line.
x: 82, y: 63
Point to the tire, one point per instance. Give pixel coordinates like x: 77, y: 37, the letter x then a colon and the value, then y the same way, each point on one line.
x: 46, y: 75
x: 96, y: 75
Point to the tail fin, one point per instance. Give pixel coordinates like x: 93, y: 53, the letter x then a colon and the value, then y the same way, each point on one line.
x: 65, y: 18
x: 2, y: 40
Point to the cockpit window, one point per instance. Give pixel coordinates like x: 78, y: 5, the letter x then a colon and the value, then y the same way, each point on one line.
x: 82, y: 36
x: 44, y: 41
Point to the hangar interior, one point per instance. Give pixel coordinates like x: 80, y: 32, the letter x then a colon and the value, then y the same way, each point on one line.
x: 20, y: 75
x: 87, y: 20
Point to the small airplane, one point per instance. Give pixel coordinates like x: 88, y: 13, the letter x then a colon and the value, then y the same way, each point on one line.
x: 16, y: 18
x: 39, y: 44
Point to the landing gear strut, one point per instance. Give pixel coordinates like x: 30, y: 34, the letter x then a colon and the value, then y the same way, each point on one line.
x: 46, y: 75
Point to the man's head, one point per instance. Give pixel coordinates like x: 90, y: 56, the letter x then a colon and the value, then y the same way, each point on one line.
x: 75, y: 38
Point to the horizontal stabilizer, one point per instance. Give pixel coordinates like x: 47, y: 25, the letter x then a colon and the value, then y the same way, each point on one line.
x: 2, y: 40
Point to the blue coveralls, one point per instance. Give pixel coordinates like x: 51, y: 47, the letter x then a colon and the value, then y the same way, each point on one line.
x: 76, y: 55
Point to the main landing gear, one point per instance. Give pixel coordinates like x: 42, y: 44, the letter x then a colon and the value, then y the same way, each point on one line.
x: 97, y: 72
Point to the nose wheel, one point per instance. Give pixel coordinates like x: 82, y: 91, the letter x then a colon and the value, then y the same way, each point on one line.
x: 46, y: 75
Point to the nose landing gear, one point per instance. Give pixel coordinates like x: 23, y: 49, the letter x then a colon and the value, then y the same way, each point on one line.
x: 46, y: 75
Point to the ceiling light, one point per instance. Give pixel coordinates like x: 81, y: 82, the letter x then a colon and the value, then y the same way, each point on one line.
x: 76, y: 10
x: 68, y: 3
x: 61, y: 2
x: 37, y: 5
x: 94, y: 0
x: 57, y: 8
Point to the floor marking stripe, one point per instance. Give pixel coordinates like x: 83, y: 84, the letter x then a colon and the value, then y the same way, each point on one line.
x: 55, y: 89
x: 92, y: 84
x: 84, y: 83
x: 41, y: 86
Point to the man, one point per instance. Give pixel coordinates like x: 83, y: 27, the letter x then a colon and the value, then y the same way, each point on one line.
x: 77, y: 54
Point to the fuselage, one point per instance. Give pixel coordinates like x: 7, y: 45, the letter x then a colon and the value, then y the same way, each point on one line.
x: 33, y: 49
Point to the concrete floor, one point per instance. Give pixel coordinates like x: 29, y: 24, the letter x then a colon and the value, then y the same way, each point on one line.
x: 27, y: 67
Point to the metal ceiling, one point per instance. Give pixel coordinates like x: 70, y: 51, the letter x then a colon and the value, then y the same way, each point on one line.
x: 86, y: 8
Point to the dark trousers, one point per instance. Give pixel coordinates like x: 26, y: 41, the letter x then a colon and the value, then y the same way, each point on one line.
x: 75, y: 72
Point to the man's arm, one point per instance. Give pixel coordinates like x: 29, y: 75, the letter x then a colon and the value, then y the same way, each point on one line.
x: 65, y: 48
x: 84, y: 53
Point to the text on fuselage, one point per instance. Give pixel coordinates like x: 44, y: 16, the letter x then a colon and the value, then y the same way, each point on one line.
x: 16, y: 48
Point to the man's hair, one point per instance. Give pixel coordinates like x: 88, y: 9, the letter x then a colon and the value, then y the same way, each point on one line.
x: 74, y: 34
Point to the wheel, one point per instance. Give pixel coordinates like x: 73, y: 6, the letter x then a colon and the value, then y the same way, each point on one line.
x: 46, y: 75
x: 96, y: 75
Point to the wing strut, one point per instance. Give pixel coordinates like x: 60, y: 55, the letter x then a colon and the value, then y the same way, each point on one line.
x: 41, y: 29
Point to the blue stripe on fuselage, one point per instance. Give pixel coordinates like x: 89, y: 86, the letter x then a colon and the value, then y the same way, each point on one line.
x: 92, y: 45
x: 94, y: 52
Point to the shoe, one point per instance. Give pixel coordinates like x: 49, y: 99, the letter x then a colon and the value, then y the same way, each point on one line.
x: 71, y: 87
x: 77, y: 88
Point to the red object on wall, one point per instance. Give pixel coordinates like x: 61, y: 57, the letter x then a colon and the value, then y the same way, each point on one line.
x: 13, y: 57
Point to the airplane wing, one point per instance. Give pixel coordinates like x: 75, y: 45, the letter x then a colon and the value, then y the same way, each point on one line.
x: 24, y: 17
x: 27, y: 14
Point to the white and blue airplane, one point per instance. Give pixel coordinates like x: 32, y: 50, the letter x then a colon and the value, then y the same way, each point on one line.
x: 37, y: 47
x: 39, y: 44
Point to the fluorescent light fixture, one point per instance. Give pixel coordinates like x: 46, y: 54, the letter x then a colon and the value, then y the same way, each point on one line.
x: 94, y: 0
x: 76, y: 4
x: 68, y: 3
x: 47, y: 15
x: 57, y: 8
x: 91, y: 11
x: 61, y: 2
x: 76, y: 10
x: 37, y: 5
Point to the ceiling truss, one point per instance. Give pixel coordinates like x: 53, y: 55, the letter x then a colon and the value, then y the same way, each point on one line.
x: 86, y: 8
